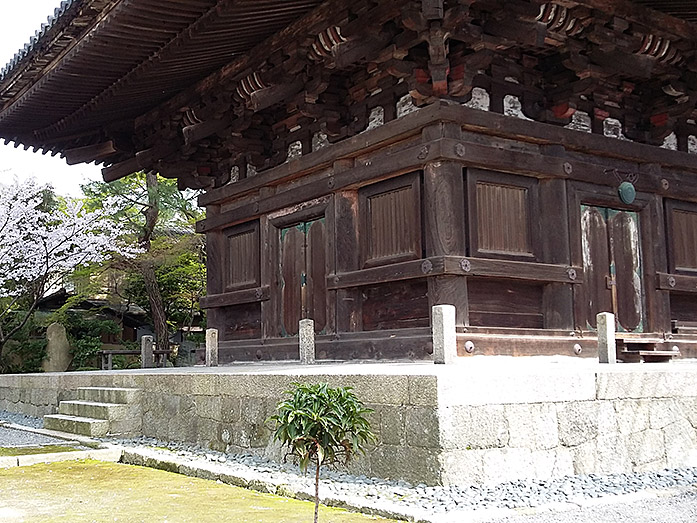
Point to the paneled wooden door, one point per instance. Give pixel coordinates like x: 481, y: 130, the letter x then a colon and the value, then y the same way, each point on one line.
x: 612, y: 266
x: 303, y: 276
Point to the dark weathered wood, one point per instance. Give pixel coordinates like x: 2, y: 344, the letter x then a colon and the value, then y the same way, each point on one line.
x: 394, y: 305
x: 519, y: 343
x: 268, y: 271
x: 292, y: 268
x: 235, y: 297
x: 348, y: 301
x: 120, y: 170
x: 676, y: 282
x: 90, y: 153
x: 444, y: 230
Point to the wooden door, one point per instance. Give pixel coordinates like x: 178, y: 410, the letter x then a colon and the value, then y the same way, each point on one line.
x: 303, y: 276
x: 612, y: 266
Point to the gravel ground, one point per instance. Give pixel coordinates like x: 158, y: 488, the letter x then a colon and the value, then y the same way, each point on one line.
x: 21, y: 438
x: 591, y: 492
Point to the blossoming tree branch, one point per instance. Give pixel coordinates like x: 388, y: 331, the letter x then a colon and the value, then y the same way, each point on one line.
x: 43, y: 240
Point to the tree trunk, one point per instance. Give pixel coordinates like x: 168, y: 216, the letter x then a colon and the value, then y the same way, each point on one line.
x: 147, y: 268
x: 317, y: 492
x: 157, y: 309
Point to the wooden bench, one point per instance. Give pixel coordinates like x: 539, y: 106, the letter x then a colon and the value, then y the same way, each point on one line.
x: 108, y: 354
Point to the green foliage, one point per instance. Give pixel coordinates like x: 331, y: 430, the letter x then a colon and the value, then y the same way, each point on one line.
x: 322, y: 424
x: 181, y: 277
x: 85, y: 332
x: 26, y: 350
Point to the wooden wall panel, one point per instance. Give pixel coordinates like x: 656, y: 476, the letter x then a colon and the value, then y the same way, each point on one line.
x: 316, y: 266
x: 292, y: 268
x: 623, y: 228
x: 396, y: 305
x: 237, y: 322
x: 684, y: 236
x: 683, y: 307
x: 596, y: 263
x: 391, y: 221
x: 242, y: 256
x: 505, y: 303
x: 503, y: 219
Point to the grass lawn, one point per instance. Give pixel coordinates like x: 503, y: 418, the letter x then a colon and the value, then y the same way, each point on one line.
x: 77, y: 491
x: 45, y: 449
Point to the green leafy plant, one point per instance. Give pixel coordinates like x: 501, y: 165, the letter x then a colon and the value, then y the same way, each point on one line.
x: 322, y: 425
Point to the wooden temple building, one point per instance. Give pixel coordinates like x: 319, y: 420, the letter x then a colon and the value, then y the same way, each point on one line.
x: 531, y: 162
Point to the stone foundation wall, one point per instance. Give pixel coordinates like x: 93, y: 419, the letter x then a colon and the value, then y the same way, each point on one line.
x: 515, y: 425
x: 443, y: 424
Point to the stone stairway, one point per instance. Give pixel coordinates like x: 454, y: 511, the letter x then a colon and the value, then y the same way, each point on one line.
x: 99, y: 411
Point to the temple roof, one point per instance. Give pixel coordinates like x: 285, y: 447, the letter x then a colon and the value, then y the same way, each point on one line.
x: 100, y: 71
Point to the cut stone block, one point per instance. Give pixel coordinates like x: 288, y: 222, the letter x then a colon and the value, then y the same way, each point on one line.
x: 92, y: 409
x: 108, y: 394
x: 77, y: 425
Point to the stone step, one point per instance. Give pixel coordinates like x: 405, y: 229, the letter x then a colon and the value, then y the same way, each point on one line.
x: 76, y: 425
x: 108, y: 394
x: 94, y: 409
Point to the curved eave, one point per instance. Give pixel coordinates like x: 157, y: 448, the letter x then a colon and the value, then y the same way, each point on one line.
x: 138, y: 55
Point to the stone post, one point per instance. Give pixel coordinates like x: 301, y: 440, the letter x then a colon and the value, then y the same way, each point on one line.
x: 211, y: 347
x: 607, y: 349
x: 444, y: 335
x: 306, y: 336
x: 58, y: 355
x: 147, y: 359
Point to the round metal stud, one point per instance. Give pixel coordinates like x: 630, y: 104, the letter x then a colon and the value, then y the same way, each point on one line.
x: 469, y: 347
x: 568, y: 168
x: 665, y: 184
x: 571, y: 272
x: 577, y: 349
x: 423, y: 153
x: 426, y: 266
x: 258, y: 293
x: 671, y: 281
x: 465, y: 265
x: 460, y: 150
x: 330, y: 183
x: 627, y: 192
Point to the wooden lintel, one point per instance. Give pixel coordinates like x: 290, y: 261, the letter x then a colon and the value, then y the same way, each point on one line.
x: 457, y: 266
x: 199, y: 131
x: 235, y: 297
x: 90, y: 153
x: 120, y: 170
x: 676, y: 282
x: 265, y: 98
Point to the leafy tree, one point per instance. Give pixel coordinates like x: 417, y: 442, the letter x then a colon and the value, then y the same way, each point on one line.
x: 159, y: 220
x: 43, y: 239
x: 323, y: 425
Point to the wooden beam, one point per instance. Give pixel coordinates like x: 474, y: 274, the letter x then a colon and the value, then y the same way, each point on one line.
x: 676, y: 282
x: 90, y: 153
x: 235, y: 298
x: 120, y: 170
x: 457, y: 266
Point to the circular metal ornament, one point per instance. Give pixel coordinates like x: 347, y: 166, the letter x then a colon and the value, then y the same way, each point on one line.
x: 568, y: 168
x: 571, y: 272
x: 460, y: 150
x: 426, y: 266
x: 423, y: 153
x: 578, y: 349
x: 671, y: 281
x: 627, y: 192
x: 465, y: 265
x: 469, y: 347
x: 665, y: 184
x: 258, y: 293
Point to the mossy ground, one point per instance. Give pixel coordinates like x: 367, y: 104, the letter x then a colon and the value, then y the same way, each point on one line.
x: 76, y: 491
x: 45, y: 449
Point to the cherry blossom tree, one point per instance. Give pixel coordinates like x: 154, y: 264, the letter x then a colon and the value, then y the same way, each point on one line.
x: 42, y: 240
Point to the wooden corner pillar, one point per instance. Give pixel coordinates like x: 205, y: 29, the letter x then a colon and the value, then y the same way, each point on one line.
x: 444, y: 223
x: 349, y: 314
